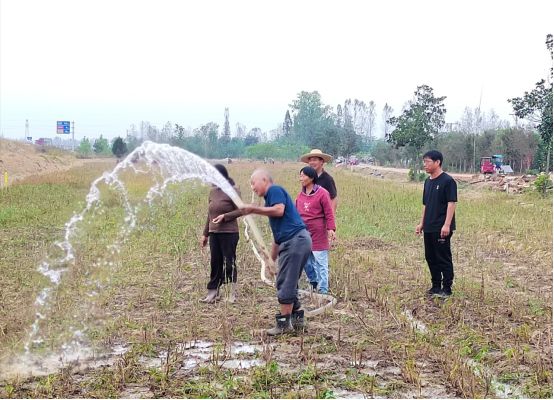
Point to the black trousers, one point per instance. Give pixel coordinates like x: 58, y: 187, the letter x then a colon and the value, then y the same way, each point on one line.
x: 223, y: 250
x: 439, y: 258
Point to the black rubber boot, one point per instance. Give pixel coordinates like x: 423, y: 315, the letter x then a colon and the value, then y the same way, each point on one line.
x: 446, y: 291
x: 435, y: 290
x: 282, y: 325
x: 297, y: 320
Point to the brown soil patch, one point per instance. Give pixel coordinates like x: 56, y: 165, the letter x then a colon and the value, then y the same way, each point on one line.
x: 21, y: 160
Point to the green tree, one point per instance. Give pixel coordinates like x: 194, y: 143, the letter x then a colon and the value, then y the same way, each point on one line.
x: 276, y: 150
x: 419, y: 122
x: 85, y: 148
x: 119, y: 147
x: 101, y: 146
x: 536, y: 106
x: 287, y: 125
x: 311, y: 116
x: 226, y: 127
x: 207, y: 135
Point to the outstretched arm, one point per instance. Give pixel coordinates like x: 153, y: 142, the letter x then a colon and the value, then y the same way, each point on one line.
x: 276, y: 211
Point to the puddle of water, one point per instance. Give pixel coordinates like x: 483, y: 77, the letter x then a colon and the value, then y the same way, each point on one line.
x: 242, y: 364
x: 76, y: 355
x: 245, y: 348
x: 347, y: 394
x: 502, y: 390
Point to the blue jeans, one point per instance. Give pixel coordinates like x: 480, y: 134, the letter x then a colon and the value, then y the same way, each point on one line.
x: 317, y: 269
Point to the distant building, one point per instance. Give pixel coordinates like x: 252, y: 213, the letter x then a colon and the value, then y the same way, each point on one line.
x: 43, y: 142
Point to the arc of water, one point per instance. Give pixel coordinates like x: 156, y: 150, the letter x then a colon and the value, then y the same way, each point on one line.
x: 174, y: 165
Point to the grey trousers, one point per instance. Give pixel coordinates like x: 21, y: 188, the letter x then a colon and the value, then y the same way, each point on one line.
x: 293, y: 254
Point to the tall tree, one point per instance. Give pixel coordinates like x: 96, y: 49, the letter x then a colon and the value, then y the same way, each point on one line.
x: 166, y: 133
x: 119, y: 148
x: 240, y: 130
x: 387, y: 114
x: 339, y: 120
x: 536, y: 106
x: 85, y: 148
x: 226, y: 127
x: 310, y: 117
x: 371, y: 120
x: 418, y: 123
x: 101, y: 146
x: 287, y: 125
x: 207, y: 134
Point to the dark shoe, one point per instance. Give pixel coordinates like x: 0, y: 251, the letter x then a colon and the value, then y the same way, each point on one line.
x: 314, y: 285
x: 297, y: 320
x: 434, y: 291
x: 446, y: 291
x: 282, y: 325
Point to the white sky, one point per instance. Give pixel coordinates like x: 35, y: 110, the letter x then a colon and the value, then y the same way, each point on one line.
x: 108, y: 64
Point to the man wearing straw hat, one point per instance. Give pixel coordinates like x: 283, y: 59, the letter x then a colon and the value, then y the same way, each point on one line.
x: 319, y: 260
x: 316, y: 159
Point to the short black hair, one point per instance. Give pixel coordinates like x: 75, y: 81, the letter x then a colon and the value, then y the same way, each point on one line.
x: 434, y: 155
x: 309, y: 172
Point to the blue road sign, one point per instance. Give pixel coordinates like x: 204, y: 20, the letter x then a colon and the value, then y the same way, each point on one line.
x: 63, y: 127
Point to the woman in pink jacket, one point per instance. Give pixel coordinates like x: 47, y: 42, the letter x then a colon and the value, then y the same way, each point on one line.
x: 314, y: 206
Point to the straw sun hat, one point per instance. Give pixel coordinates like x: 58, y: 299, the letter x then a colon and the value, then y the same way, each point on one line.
x: 316, y: 153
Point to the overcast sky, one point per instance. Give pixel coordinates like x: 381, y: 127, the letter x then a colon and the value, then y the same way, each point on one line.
x: 108, y: 64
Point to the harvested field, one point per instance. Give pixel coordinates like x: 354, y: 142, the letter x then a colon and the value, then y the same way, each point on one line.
x: 138, y: 307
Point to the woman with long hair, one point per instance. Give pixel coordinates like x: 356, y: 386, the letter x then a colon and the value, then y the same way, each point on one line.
x: 222, y: 231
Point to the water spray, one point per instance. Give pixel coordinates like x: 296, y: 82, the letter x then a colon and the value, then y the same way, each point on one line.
x: 170, y: 165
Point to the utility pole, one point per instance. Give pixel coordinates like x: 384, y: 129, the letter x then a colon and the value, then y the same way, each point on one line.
x: 26, y: 129
x: 73, y: 135
x: 477, y: 129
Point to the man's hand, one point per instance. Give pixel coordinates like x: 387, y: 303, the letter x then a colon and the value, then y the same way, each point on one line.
x: 419, y: 229
x: 203, y: 241
x: 274, y: 251
x: 445, y: 231
x: 247, y: 208
x: 218, y: 219
x: 331, y: 235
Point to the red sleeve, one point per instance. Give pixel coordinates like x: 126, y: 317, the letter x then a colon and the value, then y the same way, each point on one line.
x: 328, y: 211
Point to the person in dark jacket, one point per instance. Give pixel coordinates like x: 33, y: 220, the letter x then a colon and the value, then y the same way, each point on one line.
x: 222, y: 231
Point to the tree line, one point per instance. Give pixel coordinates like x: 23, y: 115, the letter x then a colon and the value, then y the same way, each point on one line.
x: 350, y: 129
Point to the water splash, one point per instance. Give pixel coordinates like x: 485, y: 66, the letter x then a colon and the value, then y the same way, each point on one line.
x: 164, y: 164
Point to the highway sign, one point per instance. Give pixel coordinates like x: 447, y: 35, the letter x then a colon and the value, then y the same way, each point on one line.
x: 63, y: 127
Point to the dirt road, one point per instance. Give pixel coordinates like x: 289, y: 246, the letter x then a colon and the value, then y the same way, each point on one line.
x: 404, y: 171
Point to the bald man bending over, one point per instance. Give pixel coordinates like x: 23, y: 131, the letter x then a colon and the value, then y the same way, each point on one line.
x: 292, y: 243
